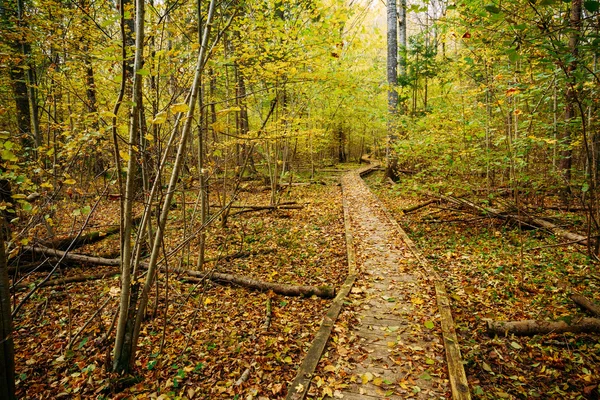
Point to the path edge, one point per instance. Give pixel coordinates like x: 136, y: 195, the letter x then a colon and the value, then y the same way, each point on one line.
x: 456, y: 370
x: 298, y: 389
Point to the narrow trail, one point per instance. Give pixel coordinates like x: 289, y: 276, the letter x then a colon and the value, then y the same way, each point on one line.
x: 395, y: 350
x: 394, y: 338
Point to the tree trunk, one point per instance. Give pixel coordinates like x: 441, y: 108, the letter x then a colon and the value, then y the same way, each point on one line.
x: 533, y: 327
x: 392, y: 79
x: 133, y: 298
x: 123, y: 353
x: 586, y: 304
x: 7, y: 355
x: 571, y: 94
x: 279, y: 288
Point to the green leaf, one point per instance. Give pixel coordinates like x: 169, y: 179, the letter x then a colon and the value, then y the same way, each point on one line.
x: 82, y: 343
x: 516, y: 345
x: 151, y: 365
x: 8, y: 155
x: 585, y: 187
x: 429, y: 324
x: 513, y: 55
x: 591, y: 5
x: 425, y: 376
x: 487, y: 368
x: 491, y: 8
x: 143, y: 72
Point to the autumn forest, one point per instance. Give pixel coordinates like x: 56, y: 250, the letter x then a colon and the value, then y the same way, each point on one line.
x: 265, y: 199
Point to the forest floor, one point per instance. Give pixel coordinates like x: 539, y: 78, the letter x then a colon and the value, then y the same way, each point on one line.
x: 495, y: 271
x: 208, y: 341
x: 201, y: 341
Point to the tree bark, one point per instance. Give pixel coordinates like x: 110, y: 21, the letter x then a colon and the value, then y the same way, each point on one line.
x: 586, y: 304
x: 533, y: 327
x: 325, y: 292
x: 7, y: 354
x: 571, y: 94
x: 279, y: 288
x: 392, y: 79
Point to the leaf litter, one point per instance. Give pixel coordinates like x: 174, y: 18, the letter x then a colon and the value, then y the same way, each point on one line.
x: 207, y: 337
x: 494, y: 271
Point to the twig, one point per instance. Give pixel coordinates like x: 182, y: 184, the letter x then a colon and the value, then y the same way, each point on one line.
x: 268, y: 314
x: 243, y: 378
x: 87, y: 323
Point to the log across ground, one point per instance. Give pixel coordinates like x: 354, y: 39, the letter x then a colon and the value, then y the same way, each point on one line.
x: 395, y: 331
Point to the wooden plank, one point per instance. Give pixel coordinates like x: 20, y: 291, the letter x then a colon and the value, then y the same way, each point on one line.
x: 298, y: 389
x: 456, y: 370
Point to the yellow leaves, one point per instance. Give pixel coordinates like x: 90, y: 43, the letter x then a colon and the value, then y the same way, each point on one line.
x: 107, y: 114
x: 69, y: 181
x: 208, y: 300
x: 160, y: 118
x: 416, y: 300
x: 366, y: 377
x: 226, y: 111
x: 329, y: 368
x: 179, y: 108
x: 124, y: 155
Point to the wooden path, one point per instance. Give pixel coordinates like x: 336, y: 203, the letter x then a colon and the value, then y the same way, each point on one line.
x: 399, y: 335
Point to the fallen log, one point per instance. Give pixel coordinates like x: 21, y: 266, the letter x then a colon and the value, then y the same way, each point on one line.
x: 71, y: 279
x: 533, y: 327
x: 418, y: 206
x: 523, y: 219
x: 73, y: 257
x: 325, y: 292
x: 75, y: 242
x: 586, y: 304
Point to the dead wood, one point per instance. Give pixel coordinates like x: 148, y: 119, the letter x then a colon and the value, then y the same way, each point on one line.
x: 72, y: 257
x: 268, y: 314
x: 586, y: 304
x: 533, y: 327
x: 418, y: 206
x: 522, y: 219
x: 74, y: 242
x: 239, y: 254
x: 71, y: 279
x: 262, y: 208
x: 325, y: 292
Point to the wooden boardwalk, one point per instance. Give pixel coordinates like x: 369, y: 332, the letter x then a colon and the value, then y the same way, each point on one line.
x: 394, y: 347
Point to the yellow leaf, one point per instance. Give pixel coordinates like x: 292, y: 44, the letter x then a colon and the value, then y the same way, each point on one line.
x: 160, y: 118
x: 124, y: 155
x: 416, y: 300
x: 377, y: 381
x: 179, y: 108
x: 149, y: 137
x: 70, y: 182
x: 327, y: 391
x: 108, y: 114
x: 329, y: 368
x: 208, y: 301
x: 228, y: 110
x: 366, y: 377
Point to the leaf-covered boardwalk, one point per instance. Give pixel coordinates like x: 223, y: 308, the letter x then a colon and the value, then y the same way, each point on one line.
x: 388, y: 342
